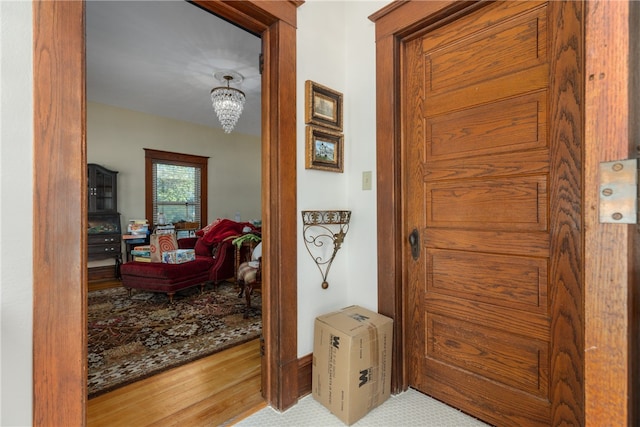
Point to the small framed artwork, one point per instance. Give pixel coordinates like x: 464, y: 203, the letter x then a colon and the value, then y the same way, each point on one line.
x: 323, y: 106
x: 324, y: 149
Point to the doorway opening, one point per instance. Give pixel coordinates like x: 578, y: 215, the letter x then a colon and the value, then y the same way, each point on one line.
x: 59, y: 186
x: 149, y: 69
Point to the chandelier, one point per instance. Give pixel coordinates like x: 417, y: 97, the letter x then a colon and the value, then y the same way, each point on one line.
x: 227, y: 101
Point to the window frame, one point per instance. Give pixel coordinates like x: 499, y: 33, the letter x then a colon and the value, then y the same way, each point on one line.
x: 157, y: 156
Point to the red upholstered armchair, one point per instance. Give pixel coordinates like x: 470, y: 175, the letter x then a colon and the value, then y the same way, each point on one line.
x: 222, y: 253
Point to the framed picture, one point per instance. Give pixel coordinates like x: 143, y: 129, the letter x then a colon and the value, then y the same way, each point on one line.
x: 324, y: 149
x: 323, y: 106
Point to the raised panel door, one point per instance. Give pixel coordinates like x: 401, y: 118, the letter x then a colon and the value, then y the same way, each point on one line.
x: 493, y: 192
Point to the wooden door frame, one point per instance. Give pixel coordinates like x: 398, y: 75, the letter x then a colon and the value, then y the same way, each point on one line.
x: 60, y: 204
x: 610, y: 313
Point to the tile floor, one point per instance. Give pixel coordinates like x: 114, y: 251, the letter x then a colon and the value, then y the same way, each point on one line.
x: 407, y: 409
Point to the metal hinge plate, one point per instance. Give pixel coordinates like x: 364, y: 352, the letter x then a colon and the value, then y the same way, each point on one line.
x: 619, y: 192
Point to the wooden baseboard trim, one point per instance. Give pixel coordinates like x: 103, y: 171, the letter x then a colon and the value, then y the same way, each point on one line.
x: 107, y: 272
x: 305, y: 365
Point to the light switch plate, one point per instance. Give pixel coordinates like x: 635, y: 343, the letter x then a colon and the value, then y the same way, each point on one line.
x: 366, y: 180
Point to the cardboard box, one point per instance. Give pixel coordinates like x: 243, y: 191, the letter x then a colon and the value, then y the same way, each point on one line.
x: 352, y: 361
x: 178, y: 256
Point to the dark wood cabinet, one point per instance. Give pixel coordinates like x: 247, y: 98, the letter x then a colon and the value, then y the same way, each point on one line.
x: 105, y: 233
x: 103, y: 189
x: 104, y: 236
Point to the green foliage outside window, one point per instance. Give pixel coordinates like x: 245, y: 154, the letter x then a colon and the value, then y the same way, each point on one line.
x: 177, y: 190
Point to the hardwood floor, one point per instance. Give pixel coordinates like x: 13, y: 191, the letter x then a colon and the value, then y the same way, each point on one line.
x: 211, y: 391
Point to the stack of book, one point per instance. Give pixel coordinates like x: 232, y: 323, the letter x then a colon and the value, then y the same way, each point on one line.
x: 138, y: 227
x: 141, y: 253
x: 134, y: 238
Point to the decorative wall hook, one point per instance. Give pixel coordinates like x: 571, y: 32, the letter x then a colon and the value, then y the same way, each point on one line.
x: 322, y: 228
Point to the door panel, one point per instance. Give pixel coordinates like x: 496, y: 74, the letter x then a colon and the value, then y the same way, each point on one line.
x: 513, y: 124
x: 476, y: 23
x: 506, y: 281
x: 481, y: 178
x: 468, y: 59
x: 503, y: 357
x: 483, y: 203
x: 500, y: 88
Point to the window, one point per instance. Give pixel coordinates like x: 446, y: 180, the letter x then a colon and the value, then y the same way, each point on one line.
x: 176, y: 185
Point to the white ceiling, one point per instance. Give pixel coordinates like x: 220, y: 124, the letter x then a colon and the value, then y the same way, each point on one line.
x: 159, y: 57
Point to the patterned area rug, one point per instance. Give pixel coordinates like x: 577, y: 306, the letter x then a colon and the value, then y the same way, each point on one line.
x: 131, y: 338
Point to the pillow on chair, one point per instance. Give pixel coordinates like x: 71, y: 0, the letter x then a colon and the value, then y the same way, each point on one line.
x: 208, y: 228
x: 247, y: 271
x: 202, y: 249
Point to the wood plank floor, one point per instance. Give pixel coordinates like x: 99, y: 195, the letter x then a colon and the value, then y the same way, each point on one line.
x: 208, y: 392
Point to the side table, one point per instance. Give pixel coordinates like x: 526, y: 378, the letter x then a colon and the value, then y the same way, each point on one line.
x: 131, y: 243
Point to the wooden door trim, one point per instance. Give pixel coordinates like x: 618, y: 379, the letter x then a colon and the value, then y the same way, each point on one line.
x: 59, y: 240
x: 612, y: 291
x: 59, y: 254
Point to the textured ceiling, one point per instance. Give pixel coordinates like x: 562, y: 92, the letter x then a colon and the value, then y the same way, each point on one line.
x: 159, y: 58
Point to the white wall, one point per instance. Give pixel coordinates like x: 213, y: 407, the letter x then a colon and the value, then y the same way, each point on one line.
x: 360, y: 113
x: 16, y: 170
x: 116, y: 139
x: 321, y: 58
x: 336, y: 48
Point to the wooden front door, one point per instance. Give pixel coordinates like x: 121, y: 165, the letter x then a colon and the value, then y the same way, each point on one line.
x: 492, y: 172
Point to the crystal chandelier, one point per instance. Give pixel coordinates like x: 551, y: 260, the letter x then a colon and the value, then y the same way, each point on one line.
x: 227, y: 101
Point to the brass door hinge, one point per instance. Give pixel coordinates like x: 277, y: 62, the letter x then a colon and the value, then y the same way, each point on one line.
x: 619, y: 192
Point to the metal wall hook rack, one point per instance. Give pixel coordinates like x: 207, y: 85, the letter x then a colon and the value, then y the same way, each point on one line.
x: 321, y: 229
